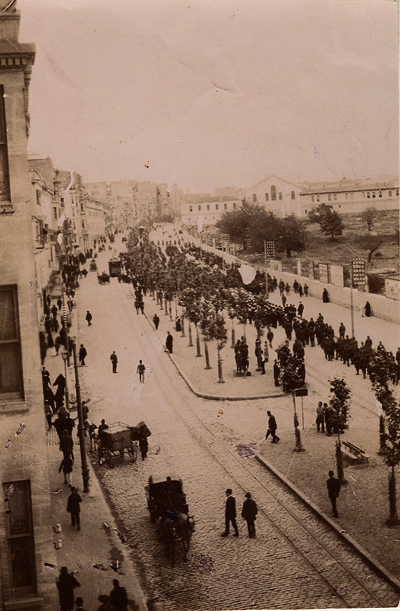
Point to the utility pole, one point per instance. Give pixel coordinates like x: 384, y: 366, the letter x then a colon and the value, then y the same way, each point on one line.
x: 81, y: 426
x: 351, y: 300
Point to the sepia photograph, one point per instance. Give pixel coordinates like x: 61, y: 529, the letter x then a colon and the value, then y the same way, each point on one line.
x: 199, y: 258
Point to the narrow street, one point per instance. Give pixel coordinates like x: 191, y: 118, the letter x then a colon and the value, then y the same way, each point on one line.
x: 295, y: 561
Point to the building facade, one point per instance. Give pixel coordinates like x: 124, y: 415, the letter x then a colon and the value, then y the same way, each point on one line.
x: 276, y: 195
x: 352, y: 195
x: 207, y: 212
x: 25, y: 536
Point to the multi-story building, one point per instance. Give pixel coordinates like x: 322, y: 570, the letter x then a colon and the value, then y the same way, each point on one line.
x: 276, y: 195
x: 25, y: 536
x: 352, y: 195
x: 120, y: 196
x: 94, y: 218
x: 208, y: 211
x: 46, y: 224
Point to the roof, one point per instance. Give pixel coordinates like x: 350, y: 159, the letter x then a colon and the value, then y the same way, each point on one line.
x: 289, y: 182
x: 352, y: 184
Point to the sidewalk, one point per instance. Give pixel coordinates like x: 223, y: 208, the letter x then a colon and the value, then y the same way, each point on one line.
x: 363, y: 503
x: 97, y: 542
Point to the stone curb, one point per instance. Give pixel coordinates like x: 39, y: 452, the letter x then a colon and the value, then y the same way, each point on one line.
x: 329, y: 522
x: 208, y: 396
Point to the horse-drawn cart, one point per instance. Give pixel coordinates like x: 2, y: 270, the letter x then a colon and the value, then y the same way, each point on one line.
x: 103, y: 278
x: 116, y: 441
x: 166, y: 502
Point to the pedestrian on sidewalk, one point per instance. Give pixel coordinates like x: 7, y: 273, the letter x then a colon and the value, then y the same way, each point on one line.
x: 89, y: 318
x: 79, y: 604
x: 48, y: 413
x: 156, y: 321
x: 66, y: 467
x: 69, y: 424
x: 54, y: 311
x: 272, y: 426
x: 59, y: 396
x: 59, y: 303
x: 333, y: 486
x: 140, y: 370
x: 66, y: 584
x: 230, y: 514
x: 259, y: 354
x: 169, y: 342
x: 270, y: 337
x: 276, y: 372
x: 249, y: 513
x: 320, y: 417
x: 66, y: 442
x: 114, y: 361
x: 118, y: 597
x: 300, y: 309
x: 73, y: 507
x: 82, y: 355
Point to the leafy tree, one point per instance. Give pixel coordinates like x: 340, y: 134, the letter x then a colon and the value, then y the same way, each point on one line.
x: 340, y: 402
x: 236, y: 224
x: 330, y: 221
x: 368, y: 216
x: 291, y: 235
x: 370, y: 243
x: 206, y: 319
x: 290, y: 380
x: 381, y: 367
x: 217, y: 330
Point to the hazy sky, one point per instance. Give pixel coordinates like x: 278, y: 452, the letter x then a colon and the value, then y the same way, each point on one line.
x: 212, y: 93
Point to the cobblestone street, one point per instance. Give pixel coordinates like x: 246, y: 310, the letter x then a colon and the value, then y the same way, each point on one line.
x: 295, y: 562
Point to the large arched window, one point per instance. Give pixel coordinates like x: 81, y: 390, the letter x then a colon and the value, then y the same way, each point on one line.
x: 280, y: 195
x: 293, y: 195
x: 273, y: 193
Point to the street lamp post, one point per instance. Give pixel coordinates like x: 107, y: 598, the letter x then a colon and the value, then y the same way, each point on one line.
x: 81, y: 426
x: 65, y: 357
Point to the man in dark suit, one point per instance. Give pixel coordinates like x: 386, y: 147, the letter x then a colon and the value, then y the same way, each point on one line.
x: 249, y: 513
x: 230, y: 514
x: 333, y: 485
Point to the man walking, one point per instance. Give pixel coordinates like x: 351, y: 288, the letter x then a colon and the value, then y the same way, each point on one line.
x: 82, y: 355
x: 320, y: 418
x: 230, y: 514
x: 333, y: 486
x: 272, y: 426
x: 114, y: 361
x: 118, y: 597
x: 249, y: 513
x: 89, y: 318
x: 140, y: 370
x: 73, y: 507
x: 156, y: 321
x: 169, y: 342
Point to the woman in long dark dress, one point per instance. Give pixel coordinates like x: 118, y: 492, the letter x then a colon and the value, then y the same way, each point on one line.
x: 66, y: 584
x: 325, y: 296
x: 367, y: 309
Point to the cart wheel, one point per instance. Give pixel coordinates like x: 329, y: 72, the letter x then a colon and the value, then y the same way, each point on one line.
x: 109, y: 458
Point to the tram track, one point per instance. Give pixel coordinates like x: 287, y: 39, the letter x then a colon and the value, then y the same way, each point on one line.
x: 345, y: 566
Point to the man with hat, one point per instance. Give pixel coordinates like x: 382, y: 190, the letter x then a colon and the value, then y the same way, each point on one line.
x: 230, y: 514
x: 249, y: 513
x: 73, y: 507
